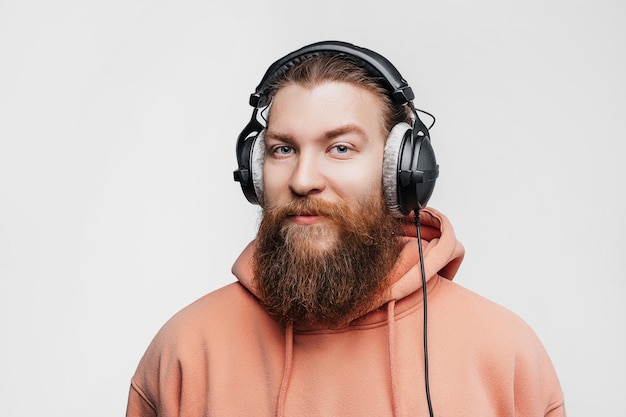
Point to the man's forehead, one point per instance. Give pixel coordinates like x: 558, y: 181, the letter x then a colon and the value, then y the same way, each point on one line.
x: 347, y: 106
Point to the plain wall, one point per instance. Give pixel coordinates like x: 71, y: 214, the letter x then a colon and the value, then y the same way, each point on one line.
x: 118, y: 122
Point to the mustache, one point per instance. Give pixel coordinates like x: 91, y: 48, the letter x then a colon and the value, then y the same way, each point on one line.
x: 348, y: 216
x: 336, y: 211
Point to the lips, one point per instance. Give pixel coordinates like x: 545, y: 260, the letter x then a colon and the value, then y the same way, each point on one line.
x: 305, y: 218
x: 306, y: 211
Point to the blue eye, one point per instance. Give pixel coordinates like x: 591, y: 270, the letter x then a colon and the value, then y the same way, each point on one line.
x: 340, y: 149
x: 283, y: 150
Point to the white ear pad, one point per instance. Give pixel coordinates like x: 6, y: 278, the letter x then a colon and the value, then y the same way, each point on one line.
x: 390, y: 167
x: 256, y: 165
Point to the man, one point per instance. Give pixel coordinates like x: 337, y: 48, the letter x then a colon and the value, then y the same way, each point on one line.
x: 327, y: 316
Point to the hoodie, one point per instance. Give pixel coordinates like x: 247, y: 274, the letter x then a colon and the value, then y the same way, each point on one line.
x: 223, y: 355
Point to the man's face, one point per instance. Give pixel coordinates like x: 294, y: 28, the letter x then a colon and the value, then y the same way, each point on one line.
x: 327, y: 241
x: 323, y: 143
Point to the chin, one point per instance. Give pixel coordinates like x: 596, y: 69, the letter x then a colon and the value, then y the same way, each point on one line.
x: 316, y: 238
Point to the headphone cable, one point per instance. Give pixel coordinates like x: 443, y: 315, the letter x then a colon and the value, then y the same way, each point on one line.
x: 416, y: 212
x: 432, y: 116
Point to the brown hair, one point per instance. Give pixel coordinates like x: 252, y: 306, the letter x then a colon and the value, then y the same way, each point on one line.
x: 316, y: 70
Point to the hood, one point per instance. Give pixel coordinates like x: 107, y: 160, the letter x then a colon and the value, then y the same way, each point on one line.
x: 443, y: 254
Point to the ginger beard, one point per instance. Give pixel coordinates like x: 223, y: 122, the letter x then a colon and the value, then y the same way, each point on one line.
x: 327, y: 273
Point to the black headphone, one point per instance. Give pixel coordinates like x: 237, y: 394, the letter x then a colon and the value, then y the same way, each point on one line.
x: 409, y: 165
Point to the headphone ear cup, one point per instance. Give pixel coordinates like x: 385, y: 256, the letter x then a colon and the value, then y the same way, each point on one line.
x: 427, y: 164
x: 250, y: 156
x: 391, y: 164
x: 417, y: 172
x: 409, y: 170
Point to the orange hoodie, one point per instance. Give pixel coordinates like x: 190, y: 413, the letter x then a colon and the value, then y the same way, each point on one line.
x: 224, y: 356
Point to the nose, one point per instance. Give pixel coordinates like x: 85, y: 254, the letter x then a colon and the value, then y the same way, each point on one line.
x: 307, y: 177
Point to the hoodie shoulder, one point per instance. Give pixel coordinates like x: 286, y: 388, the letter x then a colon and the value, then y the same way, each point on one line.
x: 211, y: 313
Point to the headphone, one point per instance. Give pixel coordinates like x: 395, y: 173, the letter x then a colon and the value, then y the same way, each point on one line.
x: 409, y: 165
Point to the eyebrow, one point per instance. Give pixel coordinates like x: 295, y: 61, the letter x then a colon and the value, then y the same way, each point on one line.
x: 328, y: 135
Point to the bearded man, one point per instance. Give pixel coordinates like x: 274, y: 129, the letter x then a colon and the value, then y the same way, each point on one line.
x: 327, y: 315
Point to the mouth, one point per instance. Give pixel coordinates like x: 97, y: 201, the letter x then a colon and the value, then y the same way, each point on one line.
x: 305, y: 218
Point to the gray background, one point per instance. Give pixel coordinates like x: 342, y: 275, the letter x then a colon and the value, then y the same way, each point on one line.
x: 118, y: 122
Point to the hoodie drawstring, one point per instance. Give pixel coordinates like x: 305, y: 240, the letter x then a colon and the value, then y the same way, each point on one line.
x: 391, y: 334
x: 282, y: 394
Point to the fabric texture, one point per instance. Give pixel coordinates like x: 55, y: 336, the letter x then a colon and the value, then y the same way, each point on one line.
x: 390, y: 167
x: 256, y: 165
x: 224, y: 356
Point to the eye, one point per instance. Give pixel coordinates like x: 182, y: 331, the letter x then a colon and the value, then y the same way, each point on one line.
x: 282, y: 150
x: 341, y: 149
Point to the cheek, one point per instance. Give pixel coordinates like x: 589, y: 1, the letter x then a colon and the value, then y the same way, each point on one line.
x: 361, y: 181
x: 274, y: 183
x: 372, y: 172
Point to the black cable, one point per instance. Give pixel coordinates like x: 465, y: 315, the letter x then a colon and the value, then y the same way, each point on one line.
x: 429, y: 114
x: 416, y: 212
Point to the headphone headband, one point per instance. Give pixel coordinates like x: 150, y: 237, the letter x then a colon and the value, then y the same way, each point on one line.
x: 375, y: 64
